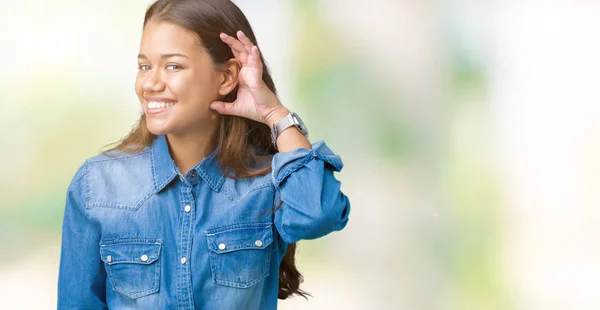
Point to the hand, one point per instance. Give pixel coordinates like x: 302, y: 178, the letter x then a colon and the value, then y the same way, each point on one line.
x: 254, y: 98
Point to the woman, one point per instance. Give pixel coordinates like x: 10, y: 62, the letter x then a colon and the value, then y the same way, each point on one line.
x: 201, y: 205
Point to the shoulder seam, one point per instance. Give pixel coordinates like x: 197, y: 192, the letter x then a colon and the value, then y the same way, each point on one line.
x: 86, y: 192
x: 260, y: 186
x: 125, y: 156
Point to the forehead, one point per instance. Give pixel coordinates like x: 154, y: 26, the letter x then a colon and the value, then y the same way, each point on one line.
x: 168, y: 37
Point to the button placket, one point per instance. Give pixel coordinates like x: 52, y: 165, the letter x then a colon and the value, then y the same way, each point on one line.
x: 185, y: 247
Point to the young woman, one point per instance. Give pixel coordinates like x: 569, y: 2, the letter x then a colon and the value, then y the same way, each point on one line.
x: 201, y: 205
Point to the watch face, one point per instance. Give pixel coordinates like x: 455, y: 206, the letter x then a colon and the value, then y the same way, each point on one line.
x: 301, y: 125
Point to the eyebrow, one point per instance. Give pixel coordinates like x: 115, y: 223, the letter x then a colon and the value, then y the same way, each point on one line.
x: 163, y: 56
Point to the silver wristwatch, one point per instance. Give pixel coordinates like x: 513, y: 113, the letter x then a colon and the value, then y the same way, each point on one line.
x: 292, y: 119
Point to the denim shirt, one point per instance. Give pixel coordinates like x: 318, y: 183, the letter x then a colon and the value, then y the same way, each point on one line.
x: 137, y: 234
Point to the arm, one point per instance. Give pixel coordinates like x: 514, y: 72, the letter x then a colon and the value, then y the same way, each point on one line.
x: 81, y: 277
x: 313, y: 204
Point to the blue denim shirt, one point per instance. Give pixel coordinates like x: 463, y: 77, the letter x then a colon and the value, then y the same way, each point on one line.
x: 137, y: 234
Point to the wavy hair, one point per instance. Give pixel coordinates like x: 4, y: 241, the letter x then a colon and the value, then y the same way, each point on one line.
x: 241, y: 143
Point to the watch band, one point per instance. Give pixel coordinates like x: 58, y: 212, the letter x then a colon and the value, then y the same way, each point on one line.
x: 284, y: 123
x: 291, y: 119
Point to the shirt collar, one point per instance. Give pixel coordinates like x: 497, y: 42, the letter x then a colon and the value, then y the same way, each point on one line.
x: 164, y: 169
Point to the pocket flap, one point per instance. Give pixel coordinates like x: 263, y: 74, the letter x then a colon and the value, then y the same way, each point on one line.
x: 239, y: 237
x: 130, y: 252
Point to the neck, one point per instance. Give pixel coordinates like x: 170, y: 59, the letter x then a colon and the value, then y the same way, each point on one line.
x: 189, y: 149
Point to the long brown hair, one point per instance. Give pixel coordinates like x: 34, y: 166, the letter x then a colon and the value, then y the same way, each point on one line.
x: 241, y: 143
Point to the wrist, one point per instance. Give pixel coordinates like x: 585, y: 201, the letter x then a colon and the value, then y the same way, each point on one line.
x: 276, y: 115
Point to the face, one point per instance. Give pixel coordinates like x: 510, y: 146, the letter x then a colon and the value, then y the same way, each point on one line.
x: 176, y: 80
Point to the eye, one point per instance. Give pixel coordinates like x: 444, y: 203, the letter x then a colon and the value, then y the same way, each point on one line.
x: 174, y: 67
x: 144, y: 67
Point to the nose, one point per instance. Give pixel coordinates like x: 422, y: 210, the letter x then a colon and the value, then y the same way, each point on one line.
x: 153, y: 82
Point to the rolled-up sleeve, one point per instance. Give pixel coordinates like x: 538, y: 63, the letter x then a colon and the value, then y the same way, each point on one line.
x: 81, y: 276
x: 313, y: 203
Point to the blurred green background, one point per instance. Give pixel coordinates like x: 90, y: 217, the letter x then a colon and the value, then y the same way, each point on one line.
x: 469, y: 132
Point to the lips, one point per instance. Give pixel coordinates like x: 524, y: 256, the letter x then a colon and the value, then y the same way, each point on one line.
x: 154, y: 107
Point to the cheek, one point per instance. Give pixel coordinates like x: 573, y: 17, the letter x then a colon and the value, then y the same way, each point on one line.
x: 139, y: 81
x: 194, y: 89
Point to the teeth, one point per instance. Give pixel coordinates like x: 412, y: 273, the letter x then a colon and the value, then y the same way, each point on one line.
x: 160, y: 105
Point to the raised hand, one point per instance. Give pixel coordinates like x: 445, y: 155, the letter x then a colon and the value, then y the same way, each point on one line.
x: 254, y: 99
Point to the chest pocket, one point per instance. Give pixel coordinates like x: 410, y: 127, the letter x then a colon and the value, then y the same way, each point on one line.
x: 240, y: 254
x: 132, y: 266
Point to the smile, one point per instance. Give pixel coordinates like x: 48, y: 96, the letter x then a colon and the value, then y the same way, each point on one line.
x: 160, y: 105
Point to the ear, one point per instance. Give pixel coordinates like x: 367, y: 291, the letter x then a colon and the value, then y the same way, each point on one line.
x: 229, y: 76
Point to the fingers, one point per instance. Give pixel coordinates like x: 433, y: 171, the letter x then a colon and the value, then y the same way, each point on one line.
x: 242, y: 48
x: 245, y: 41
x: 254, y: 58
x: 236, y: 46
x: 221, y: 107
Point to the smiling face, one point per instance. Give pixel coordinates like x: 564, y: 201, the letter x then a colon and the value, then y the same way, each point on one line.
x: 176, y: 81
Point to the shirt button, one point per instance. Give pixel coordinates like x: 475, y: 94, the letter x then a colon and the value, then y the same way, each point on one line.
x: 193, y: 175
x: 183, y: 260
x: 109, y: 258
x: 144, y: 258
x: 222, y: 246
x: 188, y: 208
x: 258, y: 243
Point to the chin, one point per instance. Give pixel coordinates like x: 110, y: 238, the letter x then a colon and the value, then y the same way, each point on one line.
x: 157, y: 130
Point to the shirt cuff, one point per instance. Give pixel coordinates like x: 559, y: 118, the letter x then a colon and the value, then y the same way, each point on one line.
x: 286, y: 163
